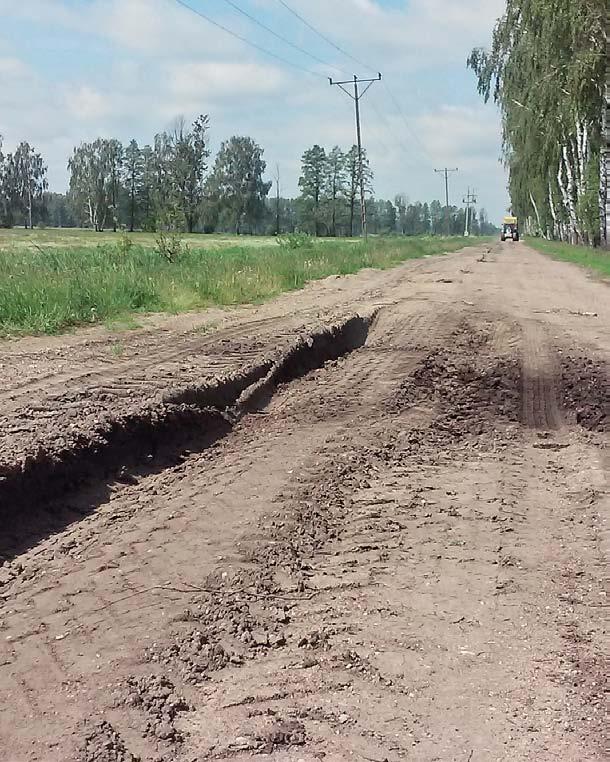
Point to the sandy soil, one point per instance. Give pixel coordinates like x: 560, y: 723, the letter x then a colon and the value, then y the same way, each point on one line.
x: 301, y: 535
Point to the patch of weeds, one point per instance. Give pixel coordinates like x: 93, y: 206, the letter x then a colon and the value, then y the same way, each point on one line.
x: 295, y: 240
x: 170, y: 245
x: 124, y: 244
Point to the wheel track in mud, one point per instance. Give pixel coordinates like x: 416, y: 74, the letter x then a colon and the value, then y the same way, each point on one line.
x: 157, y: 354
x: 540, y: 371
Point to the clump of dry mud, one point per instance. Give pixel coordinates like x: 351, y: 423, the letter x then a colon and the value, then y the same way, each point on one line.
x: 194, y: 654
x: 281, y: 733
x: 585, y: 392
x: 102, y: 743
x: 156, y: 696
x: 469, y: 395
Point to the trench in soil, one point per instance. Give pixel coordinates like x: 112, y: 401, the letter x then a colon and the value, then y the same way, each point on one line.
x: 154, y: 438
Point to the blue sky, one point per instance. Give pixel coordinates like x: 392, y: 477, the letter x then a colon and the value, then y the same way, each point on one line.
x: 74, y: 70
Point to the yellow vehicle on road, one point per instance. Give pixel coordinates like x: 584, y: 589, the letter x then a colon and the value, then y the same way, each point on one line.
x: 510, y: 229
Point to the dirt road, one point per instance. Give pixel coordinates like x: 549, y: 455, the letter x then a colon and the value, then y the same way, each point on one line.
x: 367, y: 521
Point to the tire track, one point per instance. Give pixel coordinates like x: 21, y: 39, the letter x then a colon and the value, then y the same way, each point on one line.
x: 540, y: 401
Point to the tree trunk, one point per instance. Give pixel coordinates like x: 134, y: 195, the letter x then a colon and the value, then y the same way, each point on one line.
x: 555, y: 231
x: 540, y: 231
x: 572, y: 193
x: 132, y: 210
x: 604, y: 169
x: 30, y: 208
x: 565, y: 189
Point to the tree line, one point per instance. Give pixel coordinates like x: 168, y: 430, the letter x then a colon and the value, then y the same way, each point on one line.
x: 170, y: 184
x: 546, y: 71
x: 23, y: 183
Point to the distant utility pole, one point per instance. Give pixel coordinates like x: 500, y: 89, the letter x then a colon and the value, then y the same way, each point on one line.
x: 446, y: 172
x: 356, y: 98
x: 277, y: 199
x: 470, y: 199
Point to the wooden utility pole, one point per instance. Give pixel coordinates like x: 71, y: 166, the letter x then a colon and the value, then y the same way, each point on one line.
x: 445, y: 171
x: 356, y: 96
x: 277, y: 199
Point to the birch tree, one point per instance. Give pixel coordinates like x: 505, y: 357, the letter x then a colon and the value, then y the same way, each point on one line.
x: 25, y: 181
x: 545, y: 69
x: 91, y: 181
x: 188, y: 166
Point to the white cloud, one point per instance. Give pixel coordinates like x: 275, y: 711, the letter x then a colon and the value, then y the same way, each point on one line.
x: 159, y: 60
x: 13, y: 68
x: 213, y: 79
x: 147, y: 27
x: 454, y: 133
x: 86, y: 104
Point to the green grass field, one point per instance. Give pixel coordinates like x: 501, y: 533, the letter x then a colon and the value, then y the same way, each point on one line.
x: 71, y: 238
x: 71, y: 278
x: 594, y: 259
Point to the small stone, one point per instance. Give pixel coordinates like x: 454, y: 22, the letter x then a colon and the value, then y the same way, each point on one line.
x: 164, y: 731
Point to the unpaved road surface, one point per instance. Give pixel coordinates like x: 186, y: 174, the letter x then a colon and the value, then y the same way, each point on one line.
x: 366, y: 521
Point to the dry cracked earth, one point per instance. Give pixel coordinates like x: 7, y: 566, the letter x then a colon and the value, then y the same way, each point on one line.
x: 366, y: 521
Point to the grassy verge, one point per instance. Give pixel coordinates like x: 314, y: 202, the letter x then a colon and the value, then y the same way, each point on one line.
x: 50, y: 290
x: 585, y: 256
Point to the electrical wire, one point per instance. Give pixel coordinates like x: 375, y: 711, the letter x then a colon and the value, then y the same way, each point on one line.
x: 247, y: 41
x: 411, y: 131
x: 324, y: 37
x: 386, y: 125
x: 390, y: 131
x: 366, y: 66
x: 283, y: 39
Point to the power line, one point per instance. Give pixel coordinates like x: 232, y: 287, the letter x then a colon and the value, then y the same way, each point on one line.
x: 280, y: 37
x: 388, y: 133
x: 406, y: 123
x: 366, y: 66
x: 392, y: 133
x: 246, y: 40
x: 324, y: 37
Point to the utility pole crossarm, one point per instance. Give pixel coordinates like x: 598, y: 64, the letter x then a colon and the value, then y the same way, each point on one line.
x: 356, y: 96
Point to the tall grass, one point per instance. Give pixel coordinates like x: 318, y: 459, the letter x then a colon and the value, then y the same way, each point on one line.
x: 47, y: 291
x: 585, y: 256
